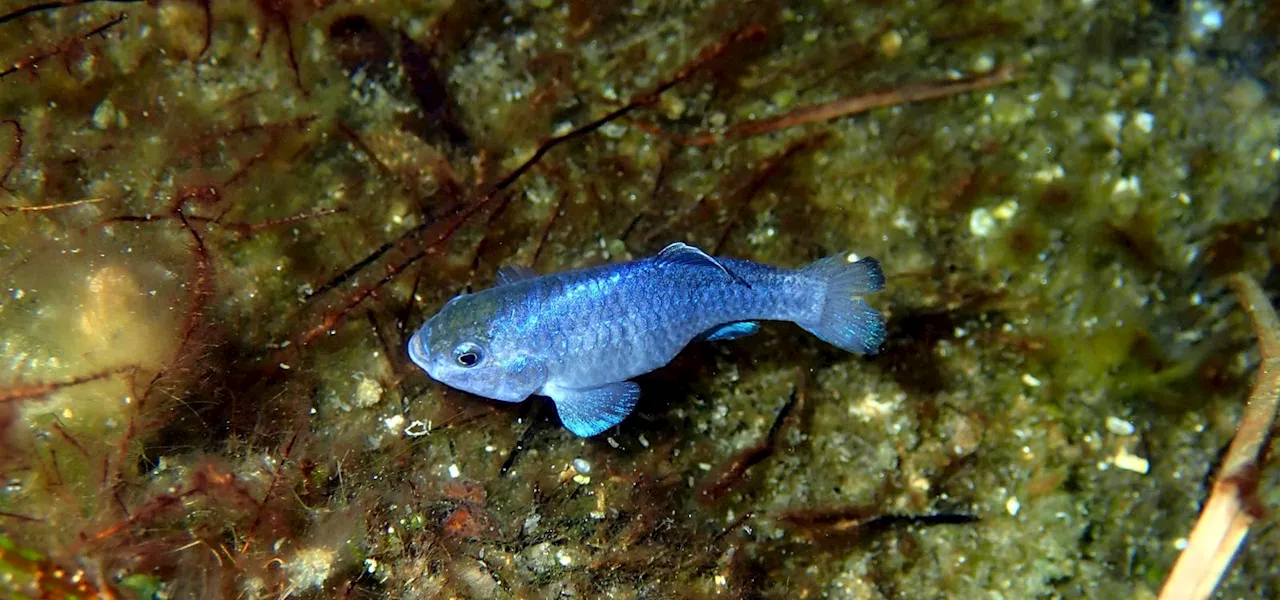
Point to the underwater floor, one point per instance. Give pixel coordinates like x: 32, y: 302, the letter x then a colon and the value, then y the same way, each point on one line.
x: 220, y: 222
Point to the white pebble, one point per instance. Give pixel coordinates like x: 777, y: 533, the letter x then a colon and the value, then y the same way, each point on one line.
x: 1012, y: 505
x: 1144, y: 121
x: 581, y: 466
x: 1006, y: 210
x: 394, y: 423
x: 1120, y: 426
x: 1111, y: 124
x: 1132, y: 462
x: 981, y: 223
x: 454, y: 471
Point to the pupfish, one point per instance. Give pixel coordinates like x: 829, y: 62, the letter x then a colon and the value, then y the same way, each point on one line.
x: 580, y: 336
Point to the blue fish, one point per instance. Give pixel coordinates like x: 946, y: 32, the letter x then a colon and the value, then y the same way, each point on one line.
x: 580, y: 336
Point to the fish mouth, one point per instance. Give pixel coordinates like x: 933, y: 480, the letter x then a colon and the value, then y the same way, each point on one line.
x: 418, y: 348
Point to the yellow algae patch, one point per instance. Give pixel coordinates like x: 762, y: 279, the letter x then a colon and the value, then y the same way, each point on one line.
x: 104, y: 305
x: 120, y: 322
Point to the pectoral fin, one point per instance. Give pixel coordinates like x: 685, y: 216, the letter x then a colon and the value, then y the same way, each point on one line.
x: 591, y: 411
x: 732, y: 331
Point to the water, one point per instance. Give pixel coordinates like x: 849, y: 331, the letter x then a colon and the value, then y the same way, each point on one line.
x: 211, y: 260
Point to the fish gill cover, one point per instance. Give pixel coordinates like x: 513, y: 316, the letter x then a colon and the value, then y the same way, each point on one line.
x: 221, y: 221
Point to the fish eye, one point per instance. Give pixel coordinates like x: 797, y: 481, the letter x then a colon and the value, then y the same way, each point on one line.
x: 468, y: 355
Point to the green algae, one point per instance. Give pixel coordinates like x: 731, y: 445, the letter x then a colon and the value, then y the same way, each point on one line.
x: 1062, y: 362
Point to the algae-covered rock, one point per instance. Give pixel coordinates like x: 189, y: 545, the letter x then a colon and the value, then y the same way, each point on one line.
x: 221, y: 221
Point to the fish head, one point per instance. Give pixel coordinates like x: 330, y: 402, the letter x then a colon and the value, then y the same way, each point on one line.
x: 463, y: 346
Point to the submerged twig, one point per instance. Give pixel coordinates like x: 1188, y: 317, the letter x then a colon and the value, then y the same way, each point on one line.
x: 848, y: 519
x: 44, y: 207
x: 767, y: 170
x: 54, y: 5
x: 34, y: 59
x: 843, y: 107
x: 37, y: 390
x: 1233, y: 506
x: 732, y: 472
x: 704, y: 57
x: 15, y: 153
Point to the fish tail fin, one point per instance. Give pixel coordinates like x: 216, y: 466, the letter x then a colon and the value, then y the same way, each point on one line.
x: 847, y: 321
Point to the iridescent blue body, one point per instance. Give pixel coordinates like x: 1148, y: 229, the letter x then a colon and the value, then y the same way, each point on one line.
x: 579, y: 336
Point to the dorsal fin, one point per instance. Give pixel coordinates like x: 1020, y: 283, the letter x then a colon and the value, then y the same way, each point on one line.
x: 513, y: 273
x: 681, y: 253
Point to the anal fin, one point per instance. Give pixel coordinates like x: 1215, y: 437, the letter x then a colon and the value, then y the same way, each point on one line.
x: 731, y: 331
x: 587, y: 412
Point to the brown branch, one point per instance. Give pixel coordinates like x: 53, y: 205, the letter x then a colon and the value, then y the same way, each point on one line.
x: 47, y: 207
x: 62, y: 431
x: 201, y: 290
x: 15, y: 153
x: 704, y: 57
x: 546, y: 230
x: 271, y: 488
x: 43, y: 6
x: 274, y: 11
x: 765, y: 172
x: 18, y: 517
x: 481, y: 246
x: 733, y: 471
x: 37, y: 390
x: 1232, y: 506
x: 843, y: 107
x: 244, y: 228
x: 33, y: 60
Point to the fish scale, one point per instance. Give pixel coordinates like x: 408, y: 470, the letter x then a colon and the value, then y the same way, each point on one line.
x: 580, y: 336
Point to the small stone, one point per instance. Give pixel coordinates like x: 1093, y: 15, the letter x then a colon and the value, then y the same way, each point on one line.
x: 104, y: 115
x: 1131, y: 462
x: 394, y: 423
x: 1127, y: 186
x: 981, y: 223
x: 454, y: 471
x: 1109, y: 127
x: 983, y: 63
x: 368, y: 392
x: 1119, y: 426
x: 1012, y: 505
x: 1245, y: 95
x: 783, y: 98
x: 581, y: 466
x: 1006, y: 210
x: 310, y: 568
x: 891, y: 43
x: 1144, y: 121
x: 672, y: 106
x: 1030, y: 380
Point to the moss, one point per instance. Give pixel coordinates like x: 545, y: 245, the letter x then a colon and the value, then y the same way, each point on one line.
x: 274, y: 207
